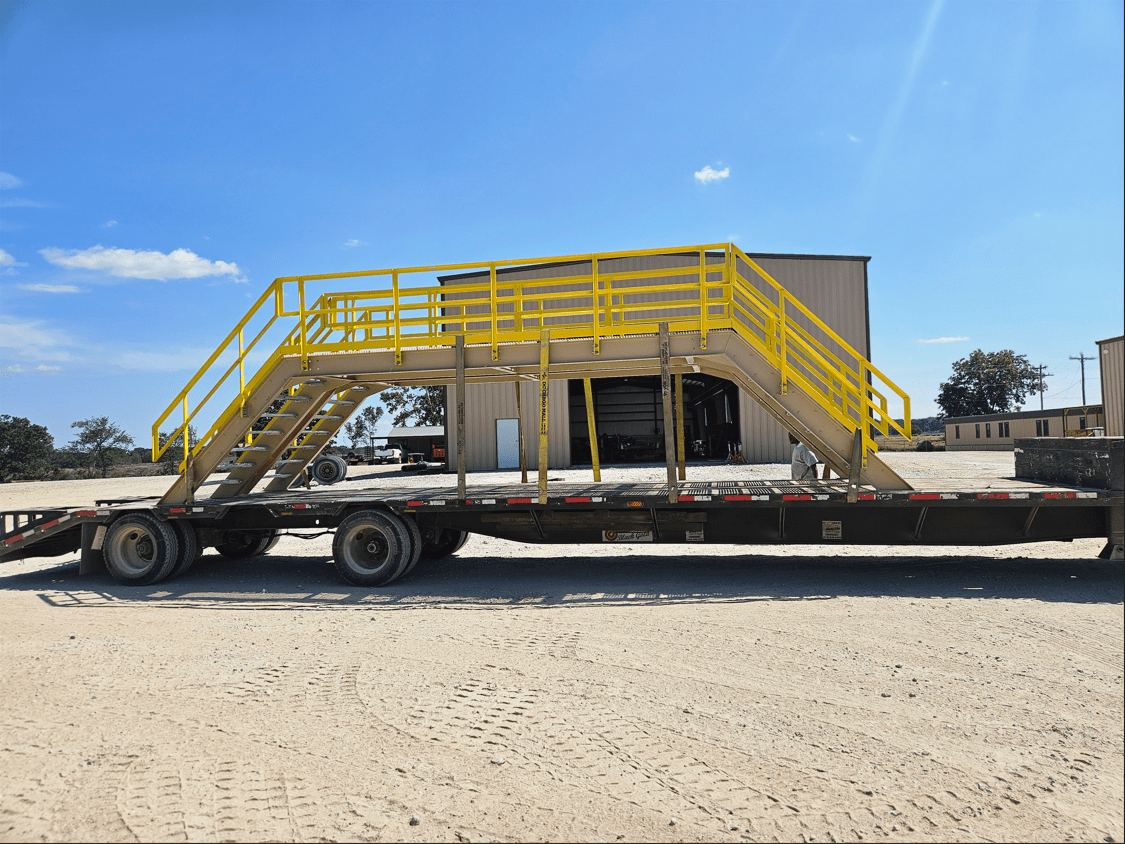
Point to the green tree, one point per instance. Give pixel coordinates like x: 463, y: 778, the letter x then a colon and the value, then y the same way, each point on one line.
x: 25, y: 449
x: 987, y: 382
x: 100, y: 441
x: 422, y: 405
x: 173, y: 456
x: 362, y: 428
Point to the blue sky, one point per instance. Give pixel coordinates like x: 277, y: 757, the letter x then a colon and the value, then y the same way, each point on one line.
x: 161, y: 163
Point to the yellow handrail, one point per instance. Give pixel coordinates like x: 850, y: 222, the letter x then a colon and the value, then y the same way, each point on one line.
x: 591, y: 299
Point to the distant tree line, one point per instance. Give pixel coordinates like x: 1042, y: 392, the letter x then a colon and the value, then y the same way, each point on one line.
x: 28, y: 452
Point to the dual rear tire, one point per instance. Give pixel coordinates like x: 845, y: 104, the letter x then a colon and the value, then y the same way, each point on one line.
x: 374, y: 548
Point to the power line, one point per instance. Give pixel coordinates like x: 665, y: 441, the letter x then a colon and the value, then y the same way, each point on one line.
x: 1082, y: 362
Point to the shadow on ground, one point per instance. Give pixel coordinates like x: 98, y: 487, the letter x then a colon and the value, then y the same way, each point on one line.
x: 482, y: 581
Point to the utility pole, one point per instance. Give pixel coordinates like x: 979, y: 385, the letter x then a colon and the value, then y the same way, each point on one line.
x: 1082, y: 362
x: 1042, y: 375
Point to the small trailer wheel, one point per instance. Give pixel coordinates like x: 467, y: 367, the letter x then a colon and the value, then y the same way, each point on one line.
x: 189, y: 551
x: 140, y: 549
x: 326, y: 469
x: 243, y: 544
x: 439, y: 543
x: 371, y: 548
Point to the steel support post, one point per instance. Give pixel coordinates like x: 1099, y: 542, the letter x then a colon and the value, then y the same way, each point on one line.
x: 591, y: 425
x: 544, y: 360
x: 669, y: 434
x: 680, y: 427
x: 519, y: 429
x: 459, y: 353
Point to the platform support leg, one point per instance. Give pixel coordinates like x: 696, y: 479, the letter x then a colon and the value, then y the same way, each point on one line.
x: 519, y: 430
x: 459, y: 354
x: 855, y: 466
x: 669, y: 424
x: 544, y: 391
x: 680, y: 427
x: 591, y: 425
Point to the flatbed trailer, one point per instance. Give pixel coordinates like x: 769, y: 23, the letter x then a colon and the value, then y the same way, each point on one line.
x: 382, y: 532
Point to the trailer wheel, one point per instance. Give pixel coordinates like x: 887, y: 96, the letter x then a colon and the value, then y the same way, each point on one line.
x: 415, y: 544
x: 371, y: 548
x: 140, y: 549
x: 189, y: 551
x: 440, y: 543
x: 327, y: 470
x: 242, y: 544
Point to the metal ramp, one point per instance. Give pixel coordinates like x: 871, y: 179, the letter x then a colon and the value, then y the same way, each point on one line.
x: 578, y: 316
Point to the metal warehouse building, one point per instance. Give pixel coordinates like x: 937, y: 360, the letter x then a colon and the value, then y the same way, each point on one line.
x: 628, y: 410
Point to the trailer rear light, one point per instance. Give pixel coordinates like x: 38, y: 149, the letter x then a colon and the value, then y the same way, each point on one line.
x: 177, y: 509
x: 636, y: 504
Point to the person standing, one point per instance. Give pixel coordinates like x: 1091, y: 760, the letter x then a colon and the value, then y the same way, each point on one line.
x: 803, y: 464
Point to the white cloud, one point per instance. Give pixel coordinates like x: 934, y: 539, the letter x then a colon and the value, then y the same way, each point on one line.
x: 944, y: 340
x: 109, y: 224
x: 16, y: 202
x: 44, y: 368
x: 853, y: 139
x: 50, y: 288
x: 708, y: 175
x: 128, y: 263
x: 6, y: 260
x: 353, y: 243
x: 7, y: 180
x: 30, y: 339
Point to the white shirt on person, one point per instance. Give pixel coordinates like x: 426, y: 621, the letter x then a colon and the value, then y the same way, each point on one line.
x: 804, y: 462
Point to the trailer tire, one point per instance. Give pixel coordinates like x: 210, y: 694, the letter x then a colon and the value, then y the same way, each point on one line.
x: 189, y: 551
x: 327, y: 470
x: 415, y: 544
x: 140, y: 549
x: 243, y: 544
x: 441, y: 542
x: 371, y: 548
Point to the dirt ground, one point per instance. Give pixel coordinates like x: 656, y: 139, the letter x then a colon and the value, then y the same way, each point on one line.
x: 569, y: 692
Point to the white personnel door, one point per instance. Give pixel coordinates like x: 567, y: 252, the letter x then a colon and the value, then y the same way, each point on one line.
x: 507, y: 443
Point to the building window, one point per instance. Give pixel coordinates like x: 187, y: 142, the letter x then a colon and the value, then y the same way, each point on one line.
x: 956, y: 432
x: 1007, y: 429
x: 988, y: 430
x: 1046, y: 427
x: 1038, y: 427
x: 978, y: 430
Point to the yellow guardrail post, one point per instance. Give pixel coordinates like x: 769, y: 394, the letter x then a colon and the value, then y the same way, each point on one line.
x: 302, y: 328
x: 397, y: 319
x: 493, y: 308
x: 782, y: 328
x: 594, y: 285
x: 703, y: 298
x: 241, y: 374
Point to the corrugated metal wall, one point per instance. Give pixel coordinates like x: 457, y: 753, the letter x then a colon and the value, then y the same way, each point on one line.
x: 485, y: 403
x: 834, y: 288
x: 1111, y: 360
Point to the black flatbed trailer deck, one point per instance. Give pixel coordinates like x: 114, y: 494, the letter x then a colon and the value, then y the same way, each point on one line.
x: 999, y: 511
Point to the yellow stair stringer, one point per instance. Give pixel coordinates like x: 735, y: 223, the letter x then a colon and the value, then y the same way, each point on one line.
x: 267, y: 386
x: 796, y: 411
